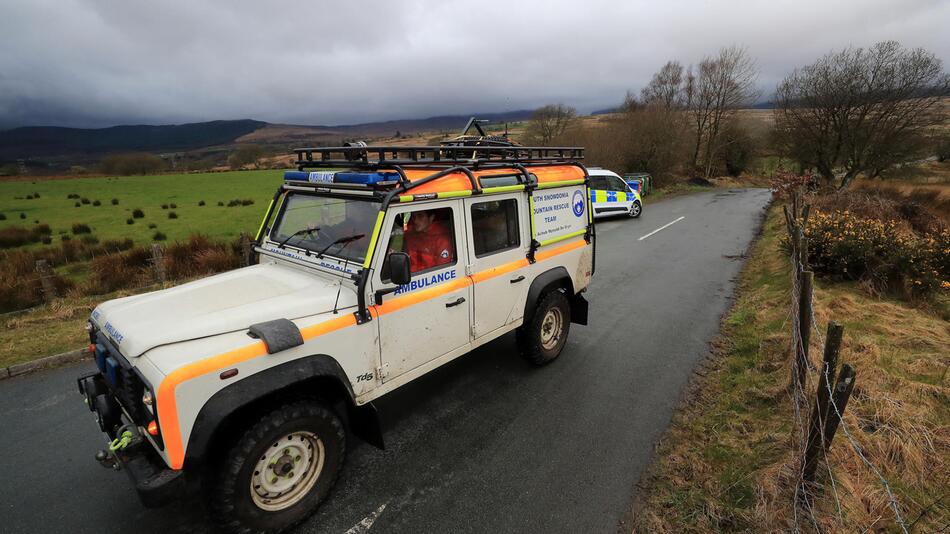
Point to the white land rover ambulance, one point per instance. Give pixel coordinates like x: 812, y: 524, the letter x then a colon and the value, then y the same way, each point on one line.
x: 379, y: 266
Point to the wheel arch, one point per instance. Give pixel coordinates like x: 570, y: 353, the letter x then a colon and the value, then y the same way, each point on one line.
x: 318, y: 375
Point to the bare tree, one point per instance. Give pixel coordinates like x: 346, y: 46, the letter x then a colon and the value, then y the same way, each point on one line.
x: 860, y: 110
x: 666, y: 88
x: 549, y: 122
x: 722, y: 85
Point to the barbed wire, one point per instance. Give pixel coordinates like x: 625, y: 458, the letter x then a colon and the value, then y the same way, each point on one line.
x: 799, y: 394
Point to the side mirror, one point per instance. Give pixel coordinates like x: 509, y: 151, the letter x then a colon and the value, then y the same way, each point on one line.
x: 397, y: 263
x: 399, y: 268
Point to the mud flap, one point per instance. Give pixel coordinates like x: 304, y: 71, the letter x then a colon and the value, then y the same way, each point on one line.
x: 579, y: 306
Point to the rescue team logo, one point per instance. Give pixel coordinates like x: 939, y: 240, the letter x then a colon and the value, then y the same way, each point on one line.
x: 578, y: 203
x: 426, y: 282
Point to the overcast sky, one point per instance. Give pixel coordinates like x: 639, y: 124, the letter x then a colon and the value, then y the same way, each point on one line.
x: 102, y: 62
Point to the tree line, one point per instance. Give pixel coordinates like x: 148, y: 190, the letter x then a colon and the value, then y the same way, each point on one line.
x: 858, y: 111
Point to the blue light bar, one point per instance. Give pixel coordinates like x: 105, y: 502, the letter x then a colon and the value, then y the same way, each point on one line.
x: 359, y: 178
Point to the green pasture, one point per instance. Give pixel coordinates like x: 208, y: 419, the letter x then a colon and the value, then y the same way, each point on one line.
x: 147, y: 193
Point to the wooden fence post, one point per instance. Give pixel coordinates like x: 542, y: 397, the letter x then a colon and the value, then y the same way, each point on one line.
x: 819, y: 414
x: 158, y: 263
x: 804, y: 326
x: 46, y: 279
x: 246, y: 249
x: 839, y: 399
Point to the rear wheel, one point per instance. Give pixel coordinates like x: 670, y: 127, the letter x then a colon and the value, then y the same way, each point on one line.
x: 542, y: 339
x: 280, y: 470
x: 635, y: 209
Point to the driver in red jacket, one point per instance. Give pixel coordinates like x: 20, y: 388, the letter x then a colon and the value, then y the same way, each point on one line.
x: 428, y: 242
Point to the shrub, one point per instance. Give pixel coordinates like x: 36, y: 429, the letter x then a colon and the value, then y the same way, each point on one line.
x: 130, y: 221
x: 3, y: 217
x: 65, y: 237
x: 152, y: 225
x: 81, y: 228
x: 23, y: 216
x: 119, y: 270
x: 84, y: 200
x: 198, y: 255
x: 29, y: 197
x: 220, y: 203
x: 96, y: 203
x: 72, y: 196
x: 173, y: 206
x: 16, y: 236
x: 36, y: 195
x: 129, y: 164
x: 247, y: 202
x: 159, y: 236
x: 115, y: 202
x: 42, y: 229
x: 172, y: 215
x: 201, y: 202
x: 46, y: 240
x: 882, y: 253
x: 138, y: 213
x: 77, y: 204
x: 89, y: 240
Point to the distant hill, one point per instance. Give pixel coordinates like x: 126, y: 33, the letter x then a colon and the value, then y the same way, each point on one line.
x: 48, y: 142
x: 40, y: 141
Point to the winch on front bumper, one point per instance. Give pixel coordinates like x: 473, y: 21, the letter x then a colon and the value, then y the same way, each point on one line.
x: 115, y: 395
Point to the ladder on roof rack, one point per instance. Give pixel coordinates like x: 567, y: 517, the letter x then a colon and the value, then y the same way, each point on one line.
x: 388, y: 156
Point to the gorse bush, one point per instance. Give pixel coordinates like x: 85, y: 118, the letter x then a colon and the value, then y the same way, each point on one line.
x: 881, y: 253
x: 138, y: 213
x: 81, y: 228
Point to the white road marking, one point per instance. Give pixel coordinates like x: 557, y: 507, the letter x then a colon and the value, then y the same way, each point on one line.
x: 662, y: 227
x: 367, y: 522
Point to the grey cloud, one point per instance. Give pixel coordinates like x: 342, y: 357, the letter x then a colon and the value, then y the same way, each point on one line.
x: 93, y: 63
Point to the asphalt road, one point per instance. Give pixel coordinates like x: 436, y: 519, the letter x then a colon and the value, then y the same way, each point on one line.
x: 484, y: 444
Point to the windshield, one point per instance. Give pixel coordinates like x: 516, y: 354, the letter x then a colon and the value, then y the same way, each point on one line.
x: 329, y: 220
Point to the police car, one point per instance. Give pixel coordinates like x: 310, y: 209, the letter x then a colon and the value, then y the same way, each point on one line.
x: 611, y: 195
x: 375, y: 266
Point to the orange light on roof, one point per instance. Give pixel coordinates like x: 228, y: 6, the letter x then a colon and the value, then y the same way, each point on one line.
x: 152, y: 428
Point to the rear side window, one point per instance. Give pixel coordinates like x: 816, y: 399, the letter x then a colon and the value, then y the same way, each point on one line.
x: 598, y: 182
x: 495, y: 226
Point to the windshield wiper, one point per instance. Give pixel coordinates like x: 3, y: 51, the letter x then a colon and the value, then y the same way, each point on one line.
x: 304, y: 231
x: 348, y: 239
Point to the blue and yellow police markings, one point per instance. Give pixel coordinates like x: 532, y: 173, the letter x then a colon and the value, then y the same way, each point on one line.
x: 598, y: 196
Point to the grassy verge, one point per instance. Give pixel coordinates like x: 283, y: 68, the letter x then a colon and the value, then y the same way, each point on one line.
x: 729, y: 463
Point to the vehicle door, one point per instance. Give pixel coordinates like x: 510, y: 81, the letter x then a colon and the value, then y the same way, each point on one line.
x: 430, y: 316
x: 497, y: 244
x: 610, y: 195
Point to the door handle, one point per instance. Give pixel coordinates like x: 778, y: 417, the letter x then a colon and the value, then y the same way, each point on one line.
x: 516, y: 280
x: 455, y: 302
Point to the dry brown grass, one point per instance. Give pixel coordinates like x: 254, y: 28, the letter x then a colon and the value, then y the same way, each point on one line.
x: 730, y: 458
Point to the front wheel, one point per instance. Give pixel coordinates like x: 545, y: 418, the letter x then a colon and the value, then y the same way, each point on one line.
x: 279, y: 471
x: 543, y: 337
x: 635, y: 209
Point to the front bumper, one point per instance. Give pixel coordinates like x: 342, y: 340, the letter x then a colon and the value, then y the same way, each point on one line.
x: 154, y: 481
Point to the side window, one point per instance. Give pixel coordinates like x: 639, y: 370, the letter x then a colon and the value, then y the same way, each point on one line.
x: 598, y: 182
x: 428, y: 236
x: 616, y: 184
x: 495, y: 226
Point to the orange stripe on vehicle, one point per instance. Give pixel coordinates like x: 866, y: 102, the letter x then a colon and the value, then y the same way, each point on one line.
x: 166, y: 402
x: 458, y: 181
x: 168, y: 406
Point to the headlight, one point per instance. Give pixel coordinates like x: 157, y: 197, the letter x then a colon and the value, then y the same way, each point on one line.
x: 89, y: 326
x: 147, y: 398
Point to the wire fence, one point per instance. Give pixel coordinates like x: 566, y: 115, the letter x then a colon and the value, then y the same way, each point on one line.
x: 819, y: 416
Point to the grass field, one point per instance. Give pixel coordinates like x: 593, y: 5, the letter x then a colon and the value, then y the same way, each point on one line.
x: 147, y: 193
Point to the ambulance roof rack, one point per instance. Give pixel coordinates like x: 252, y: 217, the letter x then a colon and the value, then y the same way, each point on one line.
x: 360, y: 156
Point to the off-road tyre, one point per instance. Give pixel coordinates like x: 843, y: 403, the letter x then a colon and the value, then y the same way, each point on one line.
x: 534, y: 339
x: 231, y: 503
